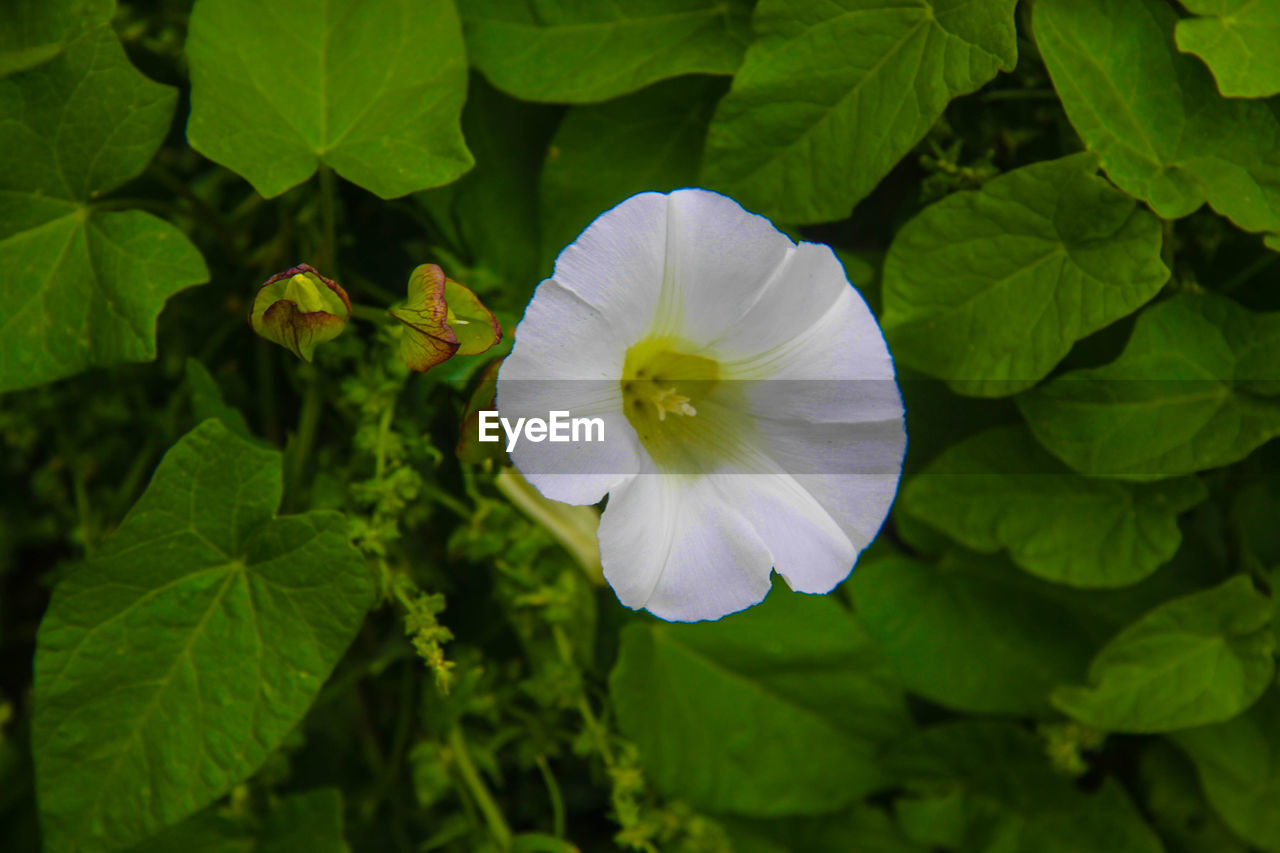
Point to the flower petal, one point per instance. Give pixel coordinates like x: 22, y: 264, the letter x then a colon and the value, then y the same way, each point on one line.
x: 809, y: 324
x: 850, y: 470
x: 838, y: 370
x: 567, y: 358
x: 718, y: 260
x: 562, y: 336
x: 616, y: 265
x: 673, y: 546
x: 577, y: 471
x: 806, y: 545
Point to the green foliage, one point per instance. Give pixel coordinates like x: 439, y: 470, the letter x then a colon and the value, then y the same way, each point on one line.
x: 491, y: 213
x: 824, y: 694
x: 251, y: 603
x: 82, y: 284
x: 943, y: 628
x: 207, y: 402
x: 1055, y: 524
x: 605, y: 153
x: 179, y: 656
x: 309, y: 821
x: 35, y: 31
x: 989, y: 289
x: 1154, y: 115
x: 1194, y: 389
x: 575, y: 52
x: 1236, y: 39
x: 808, y: 127
x: 1239, y: 766
x: 964, y: 801
x: 1178, y: 809
x: 1199, y: 659
x: 862, y: 828
x: 373, y: 91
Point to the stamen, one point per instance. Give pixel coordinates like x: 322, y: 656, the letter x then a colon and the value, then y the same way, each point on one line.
x: 666, y: 400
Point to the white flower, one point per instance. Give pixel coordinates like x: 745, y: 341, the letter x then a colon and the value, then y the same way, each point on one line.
x: 752, y: 420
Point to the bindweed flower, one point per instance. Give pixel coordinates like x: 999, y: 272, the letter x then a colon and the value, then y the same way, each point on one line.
x: 750, y: 414
x: 300, y: 309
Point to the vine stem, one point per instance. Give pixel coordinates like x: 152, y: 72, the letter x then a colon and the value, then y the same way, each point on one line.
x: 553, y: 793
x: 589, y: 718
x: 308, y: 422
x: 369, y: 313
x: 1246, y: 274
x: 492, y: 814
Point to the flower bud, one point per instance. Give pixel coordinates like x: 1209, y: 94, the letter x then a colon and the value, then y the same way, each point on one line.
x: 298, y: 309
x: 442, y: 319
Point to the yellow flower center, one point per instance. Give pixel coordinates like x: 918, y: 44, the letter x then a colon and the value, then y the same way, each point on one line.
x: 674, y: 398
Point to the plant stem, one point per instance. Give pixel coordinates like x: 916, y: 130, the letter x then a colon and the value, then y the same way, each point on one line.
x: 492, y: 814
x: 446, y: 500
x: 553, y: 793
x: 1244, y: 275
x: 369, y: 313
x: 574, y: 527
x: 589, y: 719
x: 266, y: 382
x: 305, y: 438
x: 380, y: 451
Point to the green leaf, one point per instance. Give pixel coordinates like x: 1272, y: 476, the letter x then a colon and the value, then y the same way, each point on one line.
x: 1000, y: 490
x: 989, y: 289
x: 206, y: 400
x: 1155, y: 116
x: 575, y: 52
x: 603, y: 154
x: 1239, y: 767
x: 1179, y: 812
x: 374, y: 90
x: 833, y: 93
x: 492, y: 211
x: 310, y: 821
x: 1254, y: 509
x: 862, y: 828
x: 722, y: 712
x: 1193, y: 389
x: 971, y: 637
x: 35, y: 31
x: 1275, y: 601
x: 172, y: 663
x: 1237, y: 39
x: 81, y: 286
x: 1199, y: 659
x: 983, y: 787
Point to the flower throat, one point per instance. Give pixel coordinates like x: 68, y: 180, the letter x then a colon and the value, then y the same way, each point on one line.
x: 665, y: 396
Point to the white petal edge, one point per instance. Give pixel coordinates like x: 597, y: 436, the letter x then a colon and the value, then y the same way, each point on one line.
x: 672, y: 545
x: 617, y: 265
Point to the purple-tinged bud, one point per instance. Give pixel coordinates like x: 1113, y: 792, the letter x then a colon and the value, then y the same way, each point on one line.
x: 299, y: 309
